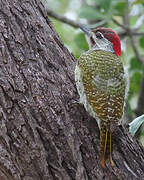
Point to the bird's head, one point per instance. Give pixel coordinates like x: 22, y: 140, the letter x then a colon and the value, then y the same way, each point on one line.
x: 103, y: 39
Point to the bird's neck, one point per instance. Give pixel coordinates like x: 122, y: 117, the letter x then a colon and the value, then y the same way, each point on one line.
x: 108, y: 48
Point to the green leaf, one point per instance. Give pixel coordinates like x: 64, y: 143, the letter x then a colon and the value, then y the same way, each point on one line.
x: 141, y: 42
x: 105, y: 4
x: 135, y: 124
x: 81, y: 42
x: 97, y: 2
x: 135, y: 64
x: 135, y: 82
x: 120, y: 8
x: 138, y: 2
x: 91, y: 13
x: 142, y: 133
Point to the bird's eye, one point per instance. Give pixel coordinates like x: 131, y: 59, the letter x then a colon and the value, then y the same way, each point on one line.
x: 99, y: 35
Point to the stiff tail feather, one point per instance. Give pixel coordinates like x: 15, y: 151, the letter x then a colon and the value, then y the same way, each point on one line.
x: 105, y: 145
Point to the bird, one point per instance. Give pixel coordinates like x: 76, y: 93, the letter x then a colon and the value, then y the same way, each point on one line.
x: 101, y: 83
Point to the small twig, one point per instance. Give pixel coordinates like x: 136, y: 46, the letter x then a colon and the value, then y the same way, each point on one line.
x: 62, y: 18
x: 138, y: 33
x: 71, y: 22
x: 125, y: 28
x: 124, y: 33
x: 119, y: 24
x: 126, y: 17
x: 133, y: 44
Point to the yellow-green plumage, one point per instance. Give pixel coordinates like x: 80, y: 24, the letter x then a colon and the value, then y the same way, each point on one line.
x: 101, y: 84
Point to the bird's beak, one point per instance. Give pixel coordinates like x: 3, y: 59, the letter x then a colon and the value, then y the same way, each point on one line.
x: 85, y: 29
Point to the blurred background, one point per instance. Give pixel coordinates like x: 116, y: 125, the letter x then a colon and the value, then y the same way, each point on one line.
x: 126, y: 17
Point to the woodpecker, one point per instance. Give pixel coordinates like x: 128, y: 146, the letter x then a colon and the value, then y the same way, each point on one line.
x: 101, y: 83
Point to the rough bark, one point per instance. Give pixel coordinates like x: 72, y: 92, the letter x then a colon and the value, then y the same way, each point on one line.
x: 44, y: 133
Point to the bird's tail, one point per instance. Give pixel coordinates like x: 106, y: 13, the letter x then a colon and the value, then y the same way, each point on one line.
x: 105, y: 144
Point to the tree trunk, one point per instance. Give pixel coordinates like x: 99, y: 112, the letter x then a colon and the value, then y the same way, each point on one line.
x: 44, y: 133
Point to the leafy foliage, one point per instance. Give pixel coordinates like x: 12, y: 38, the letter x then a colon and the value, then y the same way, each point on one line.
x: 91, y: 14
x: 120, y: 8
x: 135, y: 75
x: 141, y: 42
